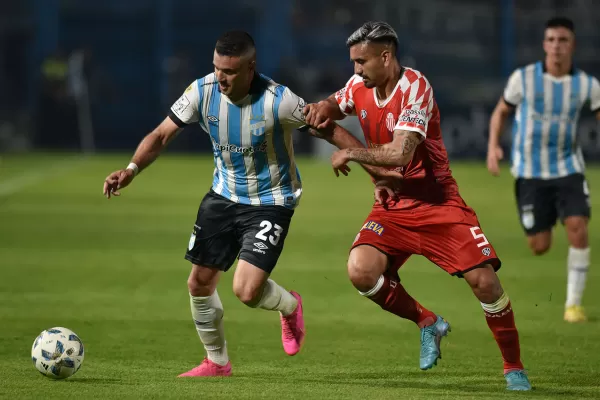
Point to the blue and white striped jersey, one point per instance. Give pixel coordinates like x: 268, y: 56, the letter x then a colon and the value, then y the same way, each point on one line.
x: 252, y: 139
x: 544, y: 142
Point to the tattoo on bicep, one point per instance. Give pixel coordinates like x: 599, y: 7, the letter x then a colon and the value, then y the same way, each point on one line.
x: 409, y: 141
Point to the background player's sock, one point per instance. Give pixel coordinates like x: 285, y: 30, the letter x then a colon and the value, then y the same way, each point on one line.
x: 501, y: 320
x: 274, y: 297
x: 578, y: 262
x: 208, y: 317
x: 392, y: 297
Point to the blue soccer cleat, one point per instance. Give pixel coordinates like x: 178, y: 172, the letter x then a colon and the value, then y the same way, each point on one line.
x: 517, y: 380
x: 431, y: 336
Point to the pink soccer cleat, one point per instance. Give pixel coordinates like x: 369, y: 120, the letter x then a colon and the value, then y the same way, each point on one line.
x: 292, y: 329
x: 208, y: 368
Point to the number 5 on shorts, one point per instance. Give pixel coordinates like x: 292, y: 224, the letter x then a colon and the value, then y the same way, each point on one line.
x: 478, y: 236
x: 267, y: 226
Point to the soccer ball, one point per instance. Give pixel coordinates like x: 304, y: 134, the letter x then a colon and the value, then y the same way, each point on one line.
x: 57, y: 353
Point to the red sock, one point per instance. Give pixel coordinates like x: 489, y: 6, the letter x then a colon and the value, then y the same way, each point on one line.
x: 393, y: 297
x: 501, y: 321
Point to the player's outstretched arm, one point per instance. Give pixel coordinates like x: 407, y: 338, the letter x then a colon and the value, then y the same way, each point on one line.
x: 497, y: 122
x: 148, y: 150
x: 397, y: 153
x: 343, y: 139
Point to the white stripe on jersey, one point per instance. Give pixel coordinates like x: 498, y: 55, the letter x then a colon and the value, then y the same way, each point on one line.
x: 528, y: 139
x: 276, y: 189
x: 227, y: 173
x: 251, y: 176
x: 289, y: 145
x: 545, y: 133
x: 562, y: 133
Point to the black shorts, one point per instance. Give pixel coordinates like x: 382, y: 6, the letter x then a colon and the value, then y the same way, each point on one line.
x: 225, y: 230
x: 542, y: 201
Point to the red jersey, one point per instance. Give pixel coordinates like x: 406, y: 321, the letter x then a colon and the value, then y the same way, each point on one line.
x: 412, y: 107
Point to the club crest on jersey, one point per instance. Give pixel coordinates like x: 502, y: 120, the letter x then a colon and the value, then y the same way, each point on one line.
x: 390, y: 122
x: 363, y: 114
x: 258, y: 127
x: 373, y: 226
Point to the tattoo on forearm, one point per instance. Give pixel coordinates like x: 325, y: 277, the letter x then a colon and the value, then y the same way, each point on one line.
x: 380, y: 156
x: 388, y: 155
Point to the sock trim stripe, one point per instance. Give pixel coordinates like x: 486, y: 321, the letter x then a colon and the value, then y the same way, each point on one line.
x: 375, y: 289
x: 498, y: 306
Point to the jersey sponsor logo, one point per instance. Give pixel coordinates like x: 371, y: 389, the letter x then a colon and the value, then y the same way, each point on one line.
x: 213, y: 120
x: 412, y: 120
x: 551, y: 118
x: 373, y: 226
x: 180, y: 105
x: 422, y: 113
x: 412, y: 117
x: 340, y: 93
x: 390, y: 122
x: 232, y: 148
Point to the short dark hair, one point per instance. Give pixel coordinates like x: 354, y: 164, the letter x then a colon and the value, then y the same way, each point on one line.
x: 234, y: 44
x: 374, y: 31
x: 561, y: 22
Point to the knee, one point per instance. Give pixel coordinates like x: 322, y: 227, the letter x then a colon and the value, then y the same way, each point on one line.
x: 198, y: 287
x: 578, y: 233
x: 539, y: 245
x: 486, y: 285
x: 247, y: 293
x: 361, y: 275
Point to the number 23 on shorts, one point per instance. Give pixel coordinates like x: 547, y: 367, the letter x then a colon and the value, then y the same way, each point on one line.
x: 272, y: 230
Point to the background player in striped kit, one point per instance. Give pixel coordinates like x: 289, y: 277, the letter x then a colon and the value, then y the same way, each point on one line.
x: 256, y: 186
x: 547, y: 162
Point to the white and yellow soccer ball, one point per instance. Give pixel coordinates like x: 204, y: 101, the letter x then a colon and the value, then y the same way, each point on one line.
x: 57, y: 353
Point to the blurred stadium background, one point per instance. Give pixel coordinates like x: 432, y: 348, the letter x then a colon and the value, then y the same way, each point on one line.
x: 79, y: 77
x: 135, y: 57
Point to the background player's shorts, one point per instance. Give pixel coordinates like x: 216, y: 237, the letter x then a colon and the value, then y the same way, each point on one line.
x: 542, y: 201
x: 224, y: 230
x: 447, y: 235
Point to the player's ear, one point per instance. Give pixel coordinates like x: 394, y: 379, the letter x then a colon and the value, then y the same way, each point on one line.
x: 386, y: 55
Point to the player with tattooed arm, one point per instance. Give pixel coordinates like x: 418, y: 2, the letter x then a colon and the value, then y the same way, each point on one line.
x: 401, y: 123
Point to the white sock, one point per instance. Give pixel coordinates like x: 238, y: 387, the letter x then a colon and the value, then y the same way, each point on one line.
x: 276, y: 298
x: 208, y: 317
x: 578, y: 262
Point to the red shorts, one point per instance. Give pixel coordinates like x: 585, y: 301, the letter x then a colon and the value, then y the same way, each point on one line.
x: 447, y: 234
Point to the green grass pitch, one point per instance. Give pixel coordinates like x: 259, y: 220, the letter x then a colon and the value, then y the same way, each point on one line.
x: 113, y: 271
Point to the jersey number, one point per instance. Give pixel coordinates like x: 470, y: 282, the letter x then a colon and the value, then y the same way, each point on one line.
x: 267, y: 226
x: 478, y: 236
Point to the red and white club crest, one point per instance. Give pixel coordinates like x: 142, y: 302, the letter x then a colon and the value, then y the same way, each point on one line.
x: 390, y: 122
